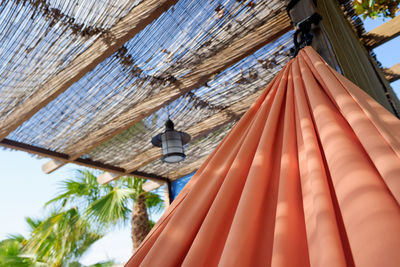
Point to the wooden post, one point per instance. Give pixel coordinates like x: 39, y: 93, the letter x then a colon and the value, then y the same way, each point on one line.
x: 336, y: 41
x: 168, y: 194
x: 354, y: 60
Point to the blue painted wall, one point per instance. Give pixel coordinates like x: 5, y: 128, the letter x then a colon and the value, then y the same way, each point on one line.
x: 178, y: 184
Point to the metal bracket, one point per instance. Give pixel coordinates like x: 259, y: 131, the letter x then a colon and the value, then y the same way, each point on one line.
x: 303, y: 35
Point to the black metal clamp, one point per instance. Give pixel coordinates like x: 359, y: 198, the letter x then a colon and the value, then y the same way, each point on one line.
x: 303, y: 35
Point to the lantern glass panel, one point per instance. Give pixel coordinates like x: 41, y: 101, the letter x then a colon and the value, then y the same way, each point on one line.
x: 172, y: 147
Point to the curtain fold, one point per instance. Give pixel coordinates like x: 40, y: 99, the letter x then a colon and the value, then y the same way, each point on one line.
x: 310, y: 176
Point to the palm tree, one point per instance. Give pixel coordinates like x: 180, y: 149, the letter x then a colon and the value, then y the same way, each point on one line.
x: 109, y: 205
x: 59, y: 240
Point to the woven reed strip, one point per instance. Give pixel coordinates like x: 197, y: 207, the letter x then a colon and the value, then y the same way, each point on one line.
x: 197, y: 77
x: 73, y: 121
x: 121, y: 32
x: 41, y: 36
x: 230, y: 87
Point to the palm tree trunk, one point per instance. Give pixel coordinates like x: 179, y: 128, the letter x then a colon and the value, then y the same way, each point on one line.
x: 140, y: 221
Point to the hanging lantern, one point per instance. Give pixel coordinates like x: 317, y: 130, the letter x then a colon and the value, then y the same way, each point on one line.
x: 171, y: 142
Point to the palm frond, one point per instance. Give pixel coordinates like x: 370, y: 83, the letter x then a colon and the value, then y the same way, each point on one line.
x: 154, y: 203
x: 61, y: 237
x: 33, y: 223
x: 17, y: 237
x: 10, y: 254
x: 112, y: 208
x: 82, y: 188
x: 109, y: 263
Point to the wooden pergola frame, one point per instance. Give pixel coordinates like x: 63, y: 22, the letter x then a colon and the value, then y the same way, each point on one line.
x: 238, y: 50
x: 60, y: 157
x: 393, y: 73
x: 382, y: 34
x: 106, y: 45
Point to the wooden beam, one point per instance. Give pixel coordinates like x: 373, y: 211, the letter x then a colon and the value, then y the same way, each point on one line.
x: 276, y: 27
x: 151, y: 185
x: 148, y: 186
x: 382, y: 33
x: 393, y: 73
x: 52, y: 165
x: 80, y: 161
x: 107, y: 177
x: 196, y: 131
x: 140, y: 16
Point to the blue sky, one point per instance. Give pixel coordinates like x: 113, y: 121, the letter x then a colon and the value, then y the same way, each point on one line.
x: 24, y: 188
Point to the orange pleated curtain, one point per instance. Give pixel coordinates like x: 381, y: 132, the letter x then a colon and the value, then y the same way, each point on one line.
x: 310, y: 176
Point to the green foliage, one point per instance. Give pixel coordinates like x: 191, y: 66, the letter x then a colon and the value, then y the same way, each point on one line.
x: 81, y: 213
x: 376, y: 8
x: 61, y: 238
x: 104, y: 205
x: 154, y: 203
x: 99, y: 264
x: 58, y: 240
x: 112, y: 208
x: 81, y: 190
x: 11, y: 253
